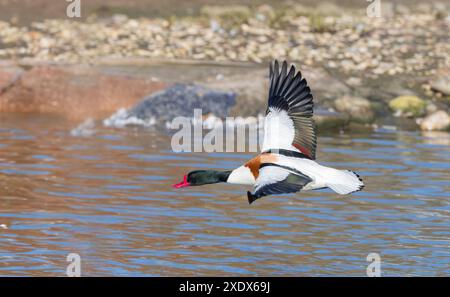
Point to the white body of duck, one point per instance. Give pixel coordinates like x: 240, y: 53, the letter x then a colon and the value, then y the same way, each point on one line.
x: 341, y: 181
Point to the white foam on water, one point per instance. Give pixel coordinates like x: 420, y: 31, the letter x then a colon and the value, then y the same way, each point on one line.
x: 212, y: 121
x: 85, y: 129
x: 122, y: 118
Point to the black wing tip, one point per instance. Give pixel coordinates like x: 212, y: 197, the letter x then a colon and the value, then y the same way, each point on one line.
x: 284, y: 64
x: 289, y: 86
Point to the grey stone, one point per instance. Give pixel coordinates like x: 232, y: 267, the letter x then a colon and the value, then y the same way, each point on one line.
x: 181, y: 100
x: 330, y: 120
x: 439, y: 120
x: 358, y: 108
x: 442, y: 85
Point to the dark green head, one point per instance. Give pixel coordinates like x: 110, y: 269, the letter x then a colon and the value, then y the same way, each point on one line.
x: 203, y: 177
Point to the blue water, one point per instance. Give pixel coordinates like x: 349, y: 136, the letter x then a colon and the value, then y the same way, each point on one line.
x: 108, y: 198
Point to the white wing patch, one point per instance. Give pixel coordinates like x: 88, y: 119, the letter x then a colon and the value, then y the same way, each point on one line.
x: 270, y: 175
x: 279, y: 130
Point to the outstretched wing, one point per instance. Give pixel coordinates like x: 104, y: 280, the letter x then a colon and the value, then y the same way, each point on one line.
x: 289, y: 124
x: 277, y: 179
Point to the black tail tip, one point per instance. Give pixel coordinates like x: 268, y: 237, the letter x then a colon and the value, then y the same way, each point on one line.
x: 251, y: 198
x: 361, y: 180
x: 357, y: 175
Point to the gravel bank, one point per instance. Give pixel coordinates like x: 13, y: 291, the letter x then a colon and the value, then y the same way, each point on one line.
x: 413, y: 42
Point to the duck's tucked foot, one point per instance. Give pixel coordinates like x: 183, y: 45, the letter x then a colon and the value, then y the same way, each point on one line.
x: 251, y: 197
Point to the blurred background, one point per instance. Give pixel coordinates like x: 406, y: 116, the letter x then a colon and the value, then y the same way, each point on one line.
x: 86, y: 163
x: 27, y: 10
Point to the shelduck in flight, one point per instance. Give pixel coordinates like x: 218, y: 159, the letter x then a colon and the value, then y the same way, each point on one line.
x: 286, y: 163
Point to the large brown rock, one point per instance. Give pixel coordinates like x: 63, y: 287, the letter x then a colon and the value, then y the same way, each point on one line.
x: 9, y: 74
x: 76, y: 92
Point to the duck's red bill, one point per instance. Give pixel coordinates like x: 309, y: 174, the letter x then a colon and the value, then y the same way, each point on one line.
x: 183, y: 184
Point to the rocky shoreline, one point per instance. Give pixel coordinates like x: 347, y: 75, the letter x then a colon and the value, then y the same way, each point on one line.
x: 81, y: 92
x: 363, y: 71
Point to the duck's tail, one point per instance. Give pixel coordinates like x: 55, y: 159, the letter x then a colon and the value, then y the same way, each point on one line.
x: 345, y: 182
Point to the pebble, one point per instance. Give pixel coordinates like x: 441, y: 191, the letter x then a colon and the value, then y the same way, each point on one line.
x: 357, y: 107
x: 439, y: 120
x: 441, y: 84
